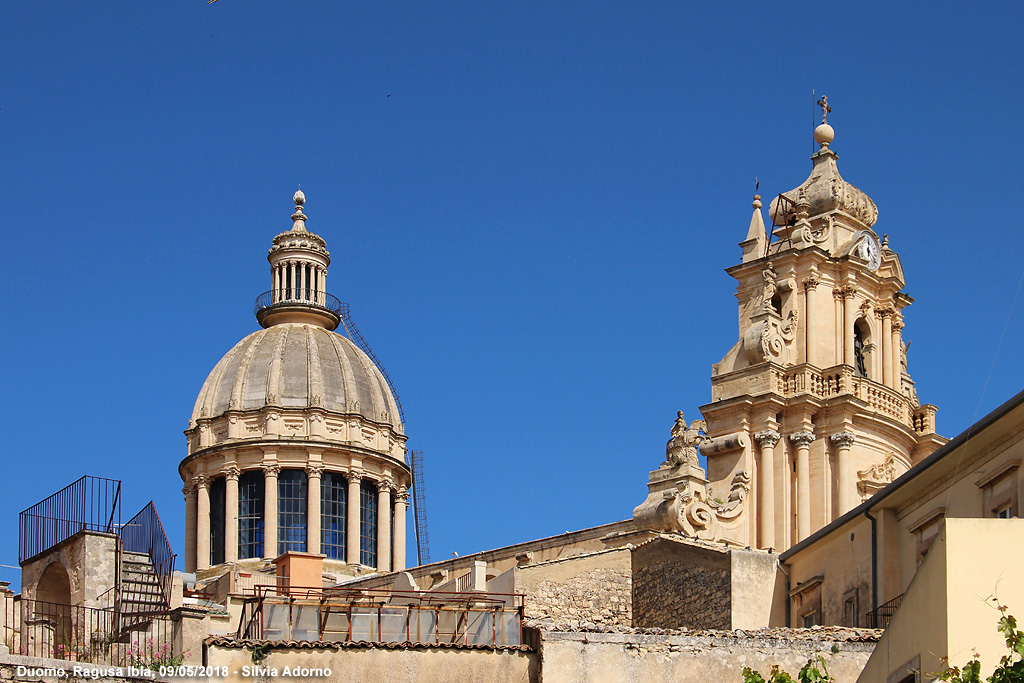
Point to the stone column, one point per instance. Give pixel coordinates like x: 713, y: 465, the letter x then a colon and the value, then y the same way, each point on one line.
x: 847, y: 486
x: 231, y: 513
x: 803, y: 440
x: 766, y: 488
x: 840, y: 345
x: 401, y: 500
x: 313, y: 474
x: 384, y: 525
x: 897, y: 352
x: 886, y: 346
x: 189, y: 491
x: 810, y: 315
x: 850, y: 317
x: 202, y: 523
x: 352, y: 509
x: 270, y: 472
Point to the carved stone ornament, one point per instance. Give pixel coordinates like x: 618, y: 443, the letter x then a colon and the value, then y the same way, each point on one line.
x: 200, y: 481
x: 843, y: 439
x: 314, y: 470
x: 770, y: 286
x: 402, y: 495
x: 770, y: 338
x: 802, y: 439
x: 878, y: 476
x: 767, y: 438
x: 811, y: 282
x: 682, y: 448
x: 271, y: 469
x: 231, y: 472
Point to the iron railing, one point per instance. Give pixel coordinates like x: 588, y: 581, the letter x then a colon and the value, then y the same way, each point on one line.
x: 89, y: 635
x: 91, y: 503
x: 882, y: 615
x: 298, y: 296
x: 144, y: 534
x: 382, y: 616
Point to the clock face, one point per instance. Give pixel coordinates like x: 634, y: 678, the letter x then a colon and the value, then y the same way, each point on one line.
x: 870, y: 251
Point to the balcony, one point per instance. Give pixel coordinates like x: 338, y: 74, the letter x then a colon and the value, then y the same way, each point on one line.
x: 300, y: 305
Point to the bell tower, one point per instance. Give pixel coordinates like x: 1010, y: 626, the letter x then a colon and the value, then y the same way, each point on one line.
x: 816, y: 388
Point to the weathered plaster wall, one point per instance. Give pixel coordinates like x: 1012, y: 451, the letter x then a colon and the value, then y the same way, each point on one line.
x: 698, y: 658
x: 679, y: 585
x: 594, y: 588
x: 364, y: 663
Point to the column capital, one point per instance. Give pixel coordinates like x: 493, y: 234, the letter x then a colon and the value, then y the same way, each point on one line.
x: 402, y: 495
x: 314, y: 470
x: 200, y: 481
x: 271, y: 469
x: 385, y: 485
x: 355, y: 473
x: 885, y: 311
x: 231, y: 472
x: 802, y: 439
x: 767, y: 438
x: 811, y: 282
x: 843, y: 439
x: 188, y: 488
x: 897, y: 322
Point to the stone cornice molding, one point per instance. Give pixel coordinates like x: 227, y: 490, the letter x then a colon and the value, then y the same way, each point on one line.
x: 802, y: 439
x: 843, y: 440
x: 767, y: 438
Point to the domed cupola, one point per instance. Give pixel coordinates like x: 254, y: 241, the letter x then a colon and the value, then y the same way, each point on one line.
x: 296, y: 419
x: 825, y: 210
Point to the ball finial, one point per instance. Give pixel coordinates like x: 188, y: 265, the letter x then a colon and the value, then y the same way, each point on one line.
x: 824, y: 135
x: 299, y: 198
x: 757, y: 201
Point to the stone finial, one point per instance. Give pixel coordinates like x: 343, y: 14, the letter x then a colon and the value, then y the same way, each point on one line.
x: 824, y: 134
x: 299, y: 218
x: 757, y: 201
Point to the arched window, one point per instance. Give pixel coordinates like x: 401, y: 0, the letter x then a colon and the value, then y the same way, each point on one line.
x: 368, y: 523
x: 291, y: 511
x: 217, y: 515
x: 333, y: 495
x: 250, y: 514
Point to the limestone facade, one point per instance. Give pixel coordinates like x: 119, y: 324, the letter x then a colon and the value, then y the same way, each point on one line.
x: 296, y: 442
x: 813, y: 409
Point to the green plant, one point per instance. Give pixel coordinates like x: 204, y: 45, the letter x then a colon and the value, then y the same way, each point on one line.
x: 1011, y: 665
x: 810, y: 673
x: 260, y: 652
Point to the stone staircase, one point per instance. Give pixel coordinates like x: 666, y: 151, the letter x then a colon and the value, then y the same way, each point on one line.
x: 140, y: 595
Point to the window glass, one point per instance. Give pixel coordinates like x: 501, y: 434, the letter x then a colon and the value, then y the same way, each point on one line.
x: 291, y: 511
x: 333, y: 495
x: 250, y: 514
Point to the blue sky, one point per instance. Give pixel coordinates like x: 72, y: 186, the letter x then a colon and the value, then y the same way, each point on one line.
x: 529, y: 207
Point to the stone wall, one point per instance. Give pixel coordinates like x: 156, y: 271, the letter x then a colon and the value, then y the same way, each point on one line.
x: 577, y: 591
x: 638, y: 656
x: 372, y: 663
x: 681, y: 585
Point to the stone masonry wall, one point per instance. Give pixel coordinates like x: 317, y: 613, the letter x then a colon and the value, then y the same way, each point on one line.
x: 577, y: 591
x: 677, y: 585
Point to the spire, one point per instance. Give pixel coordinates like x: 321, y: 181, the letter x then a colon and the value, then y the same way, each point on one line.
x: 755, y: 244
x: 298, y: 267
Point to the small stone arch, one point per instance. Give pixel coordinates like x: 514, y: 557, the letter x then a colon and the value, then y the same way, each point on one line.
x: 52, y: 611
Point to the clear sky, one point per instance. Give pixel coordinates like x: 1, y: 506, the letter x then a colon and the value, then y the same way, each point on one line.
x: 529, y: 207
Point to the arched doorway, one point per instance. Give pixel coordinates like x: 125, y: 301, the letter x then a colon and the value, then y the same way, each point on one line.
x: 50, y: 619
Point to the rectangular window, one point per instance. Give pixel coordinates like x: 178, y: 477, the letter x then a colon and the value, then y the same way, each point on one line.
x: 1005, y: 512
x: 850, y: 608
x: 368, y: 523
x: 291, y: 511
x: 333, y: 494
x: 217, y: 493
x: 810, y: 619
x: 250, y: 514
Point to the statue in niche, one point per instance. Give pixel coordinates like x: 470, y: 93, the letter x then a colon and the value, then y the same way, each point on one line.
x: 682, y: 448
x: 860, y: 366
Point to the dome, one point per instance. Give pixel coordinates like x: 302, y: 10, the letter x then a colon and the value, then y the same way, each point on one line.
x: 292, y: 365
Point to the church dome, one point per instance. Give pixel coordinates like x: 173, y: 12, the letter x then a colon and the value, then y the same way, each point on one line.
x: 297, y: 366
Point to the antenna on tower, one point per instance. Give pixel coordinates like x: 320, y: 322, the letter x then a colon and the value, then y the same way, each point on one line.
x: 814, y: 101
